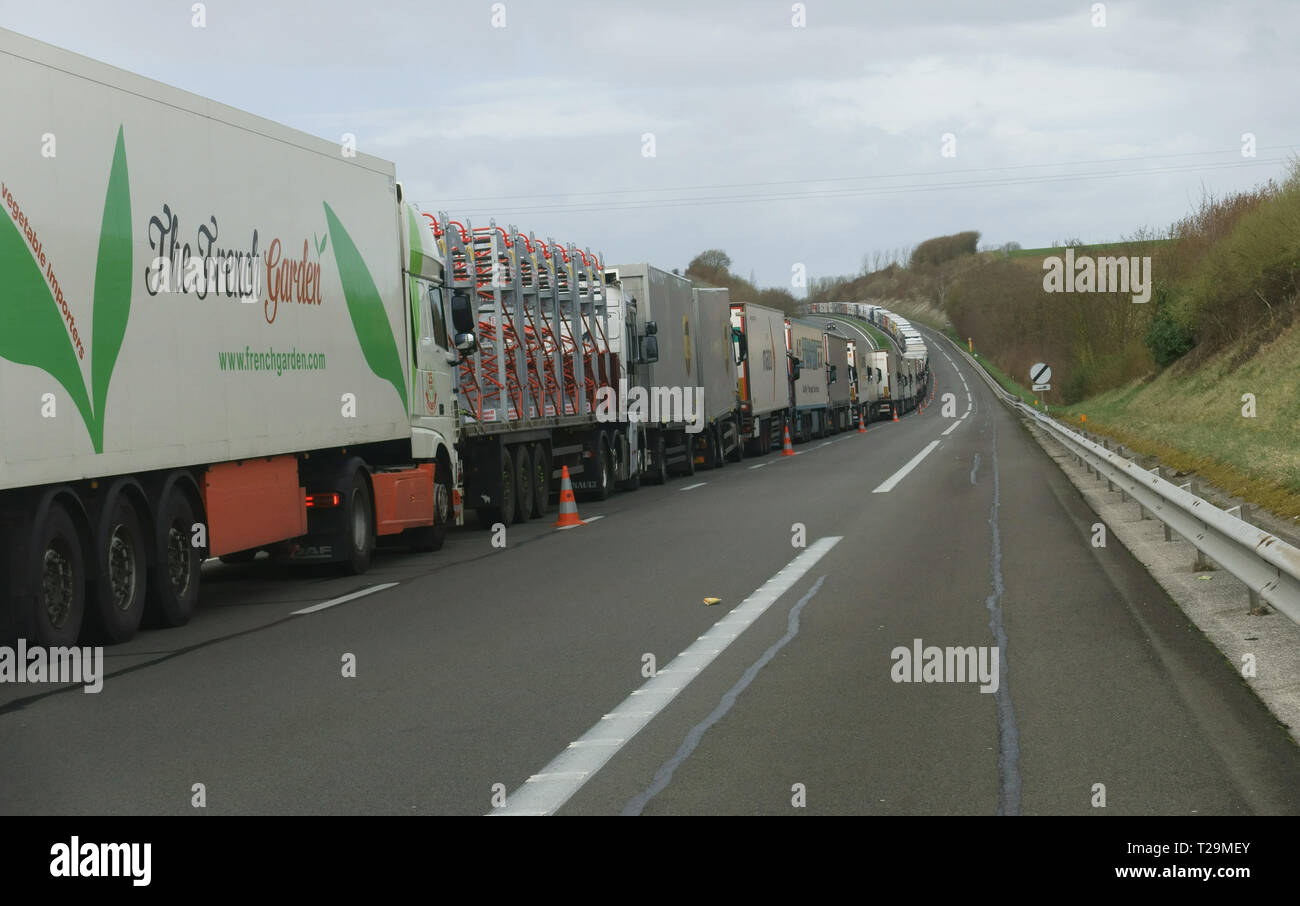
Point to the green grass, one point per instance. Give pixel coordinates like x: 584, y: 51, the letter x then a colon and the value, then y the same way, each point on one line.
x: 1192, y: 421
x: 1008, y: 383
x: 882, y: 341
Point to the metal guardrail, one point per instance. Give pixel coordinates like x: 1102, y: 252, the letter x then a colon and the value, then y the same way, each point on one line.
x: 1267, y: 565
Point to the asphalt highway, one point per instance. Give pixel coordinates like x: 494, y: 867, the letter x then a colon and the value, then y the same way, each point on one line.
x: 520, y: 680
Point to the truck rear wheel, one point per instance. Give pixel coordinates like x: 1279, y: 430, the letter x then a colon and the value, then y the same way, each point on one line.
x: 55, y: 603
x: 505, y: 512
x: 122, y: 575
x: 706, y: 445
x: 523, y: 484
x: 174, y: 582
x: 359, y: 524
x: 604, y: 466
x: 687, y: 468
x: 541, y: 480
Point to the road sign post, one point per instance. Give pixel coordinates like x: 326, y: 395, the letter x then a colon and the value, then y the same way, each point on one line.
x: 1039, y: 376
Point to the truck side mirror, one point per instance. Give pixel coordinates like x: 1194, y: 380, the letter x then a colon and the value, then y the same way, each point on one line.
x: 462, y: 315
x: 650, y: 348
x: 651, y: 328
x: 794, y: 368
x: 833, y: 370
x: 466, y: 343
x: 742, y: 345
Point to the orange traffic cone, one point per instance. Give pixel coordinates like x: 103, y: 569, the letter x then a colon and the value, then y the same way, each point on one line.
x: 894, y: 409
x: 862, y: 429
x: 568, y: 507
x: 789, y: 447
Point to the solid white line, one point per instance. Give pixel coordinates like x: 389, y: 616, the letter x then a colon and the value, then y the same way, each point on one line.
x: 579, y: 761
x: 760, y: 465
x: 343, y: 600
x: 691, y: 487
x: 827, y: 444
x: 902, y: 473
x: 950, y: 427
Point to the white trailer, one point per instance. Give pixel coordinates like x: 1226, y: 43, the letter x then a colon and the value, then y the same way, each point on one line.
x: 838, y: 387
x: 809, y: 398
x: 720, y: 441
x: 762, y: 373
x: 661, y: 319
x: 216, y: 335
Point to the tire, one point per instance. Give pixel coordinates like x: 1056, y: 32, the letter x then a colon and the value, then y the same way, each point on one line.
x: 54, y: 607
x: 174, y: 579
x: 359, y: 524
x: 122, y: 581
x: 604, y: 470
x: 622, y: 466
x: 633, y: 480
x: 524, y: 499
x: 710, y: 443
x: 505, y: 512
x: 541, y: 480
x: 658, y: 473
x: 431, y: 538
x: 688, y: 468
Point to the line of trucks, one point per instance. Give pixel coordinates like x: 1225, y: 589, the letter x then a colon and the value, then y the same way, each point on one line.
x: 220, y: 336
x: 893, y: 379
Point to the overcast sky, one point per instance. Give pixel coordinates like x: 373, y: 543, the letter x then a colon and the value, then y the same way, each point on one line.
x: 780, y: 144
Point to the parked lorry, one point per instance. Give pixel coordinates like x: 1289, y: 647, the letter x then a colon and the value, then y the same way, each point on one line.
x: 719, y: 441
x: 809, y: 399
x: 661, y: 312
x: 863, y: 381
x: 538, y: 388
x: 884, y: 364
x: 266, y: 350
x: 838, y: 386
x: 762, y: 373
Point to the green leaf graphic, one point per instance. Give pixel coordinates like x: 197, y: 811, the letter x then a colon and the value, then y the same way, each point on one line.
x: 112, y: 285
x: 34, y: 332
x: 320, y: 243
x: 369, y: 319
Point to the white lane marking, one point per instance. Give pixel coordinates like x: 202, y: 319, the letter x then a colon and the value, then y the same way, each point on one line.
x: 898, y: 476
x: 760, y: 465
x: 543, y: 793
x: 827, y: 444
x: 691, y: 487
x: 343, y: 600
x: 950, y: 427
